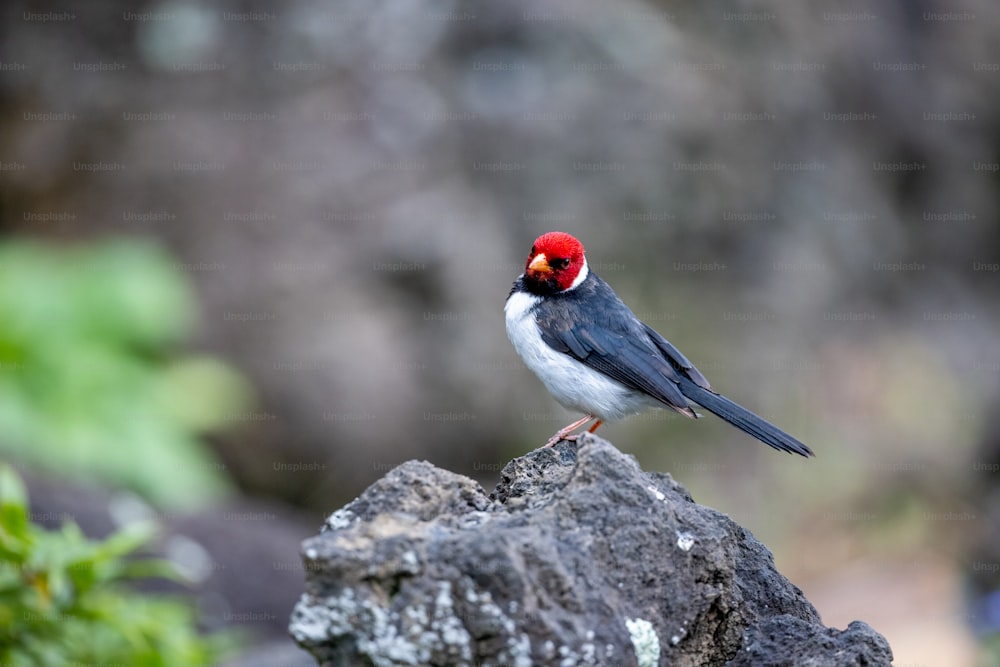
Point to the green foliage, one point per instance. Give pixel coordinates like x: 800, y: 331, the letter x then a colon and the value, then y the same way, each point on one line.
x: 63, y: 602
x: 90, y: 382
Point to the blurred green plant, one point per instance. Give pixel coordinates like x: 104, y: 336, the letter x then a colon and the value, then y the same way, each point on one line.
x: 91, y: 381
x: 63, y: 600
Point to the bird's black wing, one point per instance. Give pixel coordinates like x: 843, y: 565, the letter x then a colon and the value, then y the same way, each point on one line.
x: 676, y: 358
x: 592, y: 325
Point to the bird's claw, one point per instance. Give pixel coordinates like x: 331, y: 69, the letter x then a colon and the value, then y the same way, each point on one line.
x: 563, y: 433
x: 557, y: 438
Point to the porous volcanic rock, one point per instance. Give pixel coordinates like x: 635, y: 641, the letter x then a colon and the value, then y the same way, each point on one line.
x: 578, y: 557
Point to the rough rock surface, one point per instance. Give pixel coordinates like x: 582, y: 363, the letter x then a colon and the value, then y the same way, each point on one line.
x: 578, y: 557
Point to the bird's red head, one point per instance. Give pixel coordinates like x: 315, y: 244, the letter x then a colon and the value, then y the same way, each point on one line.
x: 555, y: 264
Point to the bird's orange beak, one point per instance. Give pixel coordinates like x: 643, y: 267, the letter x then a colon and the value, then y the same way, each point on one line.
x: 540, y: 264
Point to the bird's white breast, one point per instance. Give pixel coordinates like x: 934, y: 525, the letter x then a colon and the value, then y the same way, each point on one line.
x: 573, y: 384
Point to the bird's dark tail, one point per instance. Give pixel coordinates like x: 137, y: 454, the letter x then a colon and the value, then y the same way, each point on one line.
x: 743, y: 419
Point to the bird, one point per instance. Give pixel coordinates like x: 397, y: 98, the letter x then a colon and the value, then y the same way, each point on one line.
x: 597, y: 358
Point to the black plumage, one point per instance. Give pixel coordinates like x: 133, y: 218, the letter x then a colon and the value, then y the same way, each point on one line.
x: 592, y: 325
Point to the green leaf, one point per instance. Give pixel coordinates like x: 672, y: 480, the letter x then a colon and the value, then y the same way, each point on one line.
x: 64, y: 604
x: 14, y: 526
x: 202, y: 393
x: 151, y: 568
x: 126, y: 540
x: 91, y: 379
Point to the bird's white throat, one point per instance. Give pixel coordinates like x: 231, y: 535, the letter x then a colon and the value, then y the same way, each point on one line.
x: 580, y: 277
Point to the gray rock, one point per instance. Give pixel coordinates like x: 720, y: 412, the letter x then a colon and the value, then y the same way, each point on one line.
x: 578, y: 557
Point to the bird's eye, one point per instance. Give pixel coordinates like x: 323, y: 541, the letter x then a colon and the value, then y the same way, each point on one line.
x: 560, y: 263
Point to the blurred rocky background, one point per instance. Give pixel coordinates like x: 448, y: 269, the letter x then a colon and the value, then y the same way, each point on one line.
x: 804, y: 200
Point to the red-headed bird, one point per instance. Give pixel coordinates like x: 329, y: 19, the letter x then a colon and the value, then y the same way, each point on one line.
x: 596, y: 357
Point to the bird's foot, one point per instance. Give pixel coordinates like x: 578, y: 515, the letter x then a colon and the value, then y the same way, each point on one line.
x: 564, y: 433
x: 553, y: 441
x: 557, y: 438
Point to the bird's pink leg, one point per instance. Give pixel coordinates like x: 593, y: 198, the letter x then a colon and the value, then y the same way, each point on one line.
x: 596, y: 426
x: 562, y: 434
